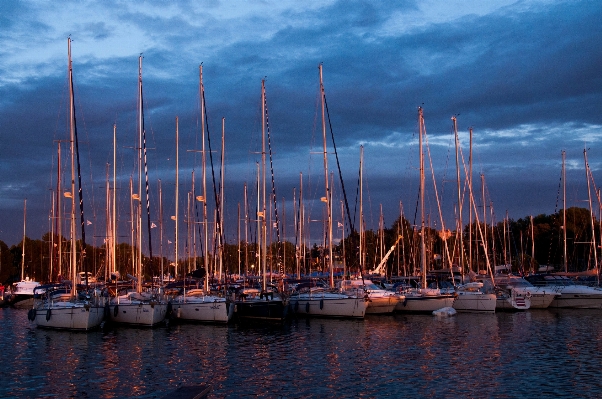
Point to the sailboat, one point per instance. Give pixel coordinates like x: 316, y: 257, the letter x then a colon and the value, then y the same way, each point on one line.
x: 198, y: 304
x: 58, y: 307
x: 267, y: 303
x: 423, y: 299
x: 572, y: 295
x: 471, y: 297
x: 138, y: 307
x: 22, y: 293
x: 328, y: 302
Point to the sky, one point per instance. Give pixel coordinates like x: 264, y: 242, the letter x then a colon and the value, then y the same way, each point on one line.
x: 525, y: 75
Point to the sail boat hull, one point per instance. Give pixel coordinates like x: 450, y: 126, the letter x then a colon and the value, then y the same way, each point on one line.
x: 329, y: 305
x: 424, y: 303
x: 254, y: 309
x: 204, y: 309
x: 138, y: 314
x: 68, y: 316
x: 475, y: 302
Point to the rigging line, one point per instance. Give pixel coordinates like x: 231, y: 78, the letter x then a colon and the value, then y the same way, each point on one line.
x: 217, y: 203
x: 79, y: 179
x: 267, y: 123
x: 148, y: 214
x: 336, y: 154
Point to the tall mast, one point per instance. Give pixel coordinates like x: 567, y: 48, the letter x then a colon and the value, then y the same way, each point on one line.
x: 422, y: 243
x: 139, y: 199
x: 221, y: 205
x: 23, y: 246
x: 161, y: 228
x: 72, y: 193
x: 326, y: 188
x: 459, y: 234
x: 564, y: 212
x: 177, y: 198
x: 470, y: 207
x: 362, y: 250
x: 246, y: 233
x: 59, y: 214
x: 591, y: 214
x: 263, y: 212
x: 114, y: 224
x: 204, y: 171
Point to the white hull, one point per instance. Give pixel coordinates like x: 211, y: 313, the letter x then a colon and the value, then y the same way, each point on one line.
x: 424, y: 304
x: 204, y: 309
x: 138, y: 314
x: 540, y: 298
x: 513, y: 302
x: 314, y: 305
x: 577, y: 301
x: 475, y: 302
x: 68, y: 316
x: 382, y: 304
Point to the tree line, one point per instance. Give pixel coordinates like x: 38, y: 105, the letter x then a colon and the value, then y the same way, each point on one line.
x: 523, y: 244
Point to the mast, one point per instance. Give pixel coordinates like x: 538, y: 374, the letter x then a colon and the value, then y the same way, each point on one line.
x: 326, y: 188
x: 422, y: 243
x: 362, y: 251
x: 564, y: 211
x: 221, y: 205
x: 204, y: 171
x: 591, y: 214
x: 23, y: 246
x: 72, y: 193
x: 459, y: 235
x: 139, y: 199
x: 263, y: 212
x: 161, y: 228
x: 114, y: 224
x: 59, y: 214
x: 532, y: 242
x: 469, y: 207
x: 177, y: 199
x: 246, y: 233
x: 485, y: 243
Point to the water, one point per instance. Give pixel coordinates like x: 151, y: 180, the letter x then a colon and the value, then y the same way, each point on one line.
x: 506, y: 355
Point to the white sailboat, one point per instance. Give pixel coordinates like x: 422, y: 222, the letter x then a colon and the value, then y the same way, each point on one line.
x: 267, y: 303
x: 471, y: 297
x: 198, y: 304
x: 423, y: 299
x: 320, y: 301
x: 23, y: 291
x: 572, y: 295
x: 58, y: 308
x: 136, y: 307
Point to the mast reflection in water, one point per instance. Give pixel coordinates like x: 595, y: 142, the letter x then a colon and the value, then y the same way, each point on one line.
x: 530, y: 354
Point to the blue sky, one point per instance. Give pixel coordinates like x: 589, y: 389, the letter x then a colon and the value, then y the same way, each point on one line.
x: 524, y: 74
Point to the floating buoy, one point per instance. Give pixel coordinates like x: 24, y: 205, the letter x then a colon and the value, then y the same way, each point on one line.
x: 169, y: 308
x: 307, y: 307
x: 31, y: 315
x: 116, y: 311
x: 321, y: 304
x: 107, y: 311
x: 48, y: 314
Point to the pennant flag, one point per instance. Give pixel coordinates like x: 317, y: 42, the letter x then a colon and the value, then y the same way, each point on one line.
x: 88, y: 223
x: 340, y: 224
x: 153, y: 225
x: 169, y: 242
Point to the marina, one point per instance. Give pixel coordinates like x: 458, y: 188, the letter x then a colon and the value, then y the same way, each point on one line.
x: 524, y: 354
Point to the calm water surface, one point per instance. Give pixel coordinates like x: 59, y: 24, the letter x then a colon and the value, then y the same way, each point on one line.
x: 507, y: 355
